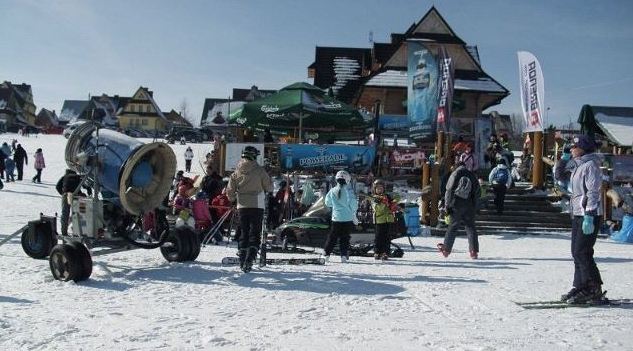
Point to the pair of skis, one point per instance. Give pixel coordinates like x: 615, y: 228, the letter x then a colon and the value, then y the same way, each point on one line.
x: 558, y: 304
x: 234, y: 261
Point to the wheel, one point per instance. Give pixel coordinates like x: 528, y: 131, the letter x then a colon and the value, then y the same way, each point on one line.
x: 177, y: 248
x: 288, y: 237
x: 64, y: 263
x: 85, y: 260
x: 38, y: 240
x: 194, y: 242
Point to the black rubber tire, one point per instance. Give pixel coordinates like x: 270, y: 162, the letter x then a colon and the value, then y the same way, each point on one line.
x: 83, y: 254
x: 64, y: 263
x: 177, y: 248
x: 194, y: 242
x: 39, y: 243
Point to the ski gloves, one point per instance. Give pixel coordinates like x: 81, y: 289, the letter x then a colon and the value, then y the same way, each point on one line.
x: 587, y: 225
x: 566, y: 156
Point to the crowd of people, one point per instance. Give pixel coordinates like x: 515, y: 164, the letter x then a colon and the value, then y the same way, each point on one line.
x: 13, y: 159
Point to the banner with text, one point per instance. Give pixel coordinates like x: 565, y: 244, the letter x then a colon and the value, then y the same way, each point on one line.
x: 446, y: 77
x: 532, y: 91
x: 327, y: 157
x: 422, y: 91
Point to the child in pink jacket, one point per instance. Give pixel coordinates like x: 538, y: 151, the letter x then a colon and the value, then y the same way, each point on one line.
x: 39, y: 166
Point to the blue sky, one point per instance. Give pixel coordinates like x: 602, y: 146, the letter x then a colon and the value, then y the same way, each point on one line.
x: 197, y: 49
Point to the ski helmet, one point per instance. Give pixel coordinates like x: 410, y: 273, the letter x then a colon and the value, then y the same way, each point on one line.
x: 344, y: 175
x: 250, y: 153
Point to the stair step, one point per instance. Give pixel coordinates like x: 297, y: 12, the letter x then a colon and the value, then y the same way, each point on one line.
x: 514, y: 224
x: 541, y: 218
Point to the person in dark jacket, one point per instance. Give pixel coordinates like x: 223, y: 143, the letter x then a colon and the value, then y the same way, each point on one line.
x: 212, y: 183
x: 66, y: 186
x: 586, y: 209
x: 461, y: 197
x: 20, y: 158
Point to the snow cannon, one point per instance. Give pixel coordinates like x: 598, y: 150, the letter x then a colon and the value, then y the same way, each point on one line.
x: 129, y: 182
x: 137, y: 175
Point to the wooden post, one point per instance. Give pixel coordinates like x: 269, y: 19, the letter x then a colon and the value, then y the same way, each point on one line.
x: 537, y: 168
x: 447, y: 151
x: 435, y: 193
x: 426, y: 180
x: 439, y: 146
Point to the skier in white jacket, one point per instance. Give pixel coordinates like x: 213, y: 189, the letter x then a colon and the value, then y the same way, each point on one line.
x: 188, y: 158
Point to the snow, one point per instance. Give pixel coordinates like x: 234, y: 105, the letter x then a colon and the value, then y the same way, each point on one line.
x: 136, y: 300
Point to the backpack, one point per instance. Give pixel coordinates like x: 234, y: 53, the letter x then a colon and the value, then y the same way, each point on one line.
x: 464, y: 187
x: 501, y: 177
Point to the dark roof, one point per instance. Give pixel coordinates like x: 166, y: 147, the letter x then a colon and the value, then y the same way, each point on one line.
x: 384, y: 51
x: 437, y: 37
x: 613, y: 111
x: 474, y: 53
x: 250, y: 94
x: 175, y: 118
x: 341, y: 69
x: 450, y: 38
x: 72, y: 109
x: 208, y: 105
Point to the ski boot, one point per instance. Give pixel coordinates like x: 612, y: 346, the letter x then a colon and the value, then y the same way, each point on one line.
x: 250, y: 258
x: 588, y: 295
x: 474, y: 254
x: 241, y: 253
x: 384, y: 257
x: 443, y: 250
x: 571, y: 293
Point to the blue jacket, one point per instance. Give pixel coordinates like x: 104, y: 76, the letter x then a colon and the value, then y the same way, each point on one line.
x: 343, y: 207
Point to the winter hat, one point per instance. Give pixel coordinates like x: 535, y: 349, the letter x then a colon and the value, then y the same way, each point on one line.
x: 38, y: 150
x: 584, y: 142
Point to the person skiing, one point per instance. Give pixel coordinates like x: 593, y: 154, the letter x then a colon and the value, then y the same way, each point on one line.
x: 586, y: 209
x: 501, y: 181
x: 343, y: 203
x: 383, y: 207
x: 248, y: 186
x: 20, y: 159
x: 39, y: 165
x: 460, y: 199
x: 188, y: 158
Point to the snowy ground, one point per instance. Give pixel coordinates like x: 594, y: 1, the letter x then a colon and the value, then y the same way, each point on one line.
x: 138, y: 301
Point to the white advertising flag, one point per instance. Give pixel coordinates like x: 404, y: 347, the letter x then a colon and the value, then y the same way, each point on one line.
x: 531, y: 81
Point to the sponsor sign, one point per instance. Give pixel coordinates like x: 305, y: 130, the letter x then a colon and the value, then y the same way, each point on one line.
x: 422, y: 90
x: 532, y: 91
x: 327, y: 157
x: 445, y: 97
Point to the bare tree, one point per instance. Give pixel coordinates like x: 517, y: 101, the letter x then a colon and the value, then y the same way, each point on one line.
x: 184, y: 108
x: 517, y: 125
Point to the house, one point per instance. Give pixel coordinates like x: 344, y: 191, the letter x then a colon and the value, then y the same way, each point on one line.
x: 47, y: 120
x: 614, y: 125
x: 104, y: 109
x: 142, y: 113
x: 362, y: 76
x: 216, y: 110
x: 71, y: 109
x: 17, y: 109
x: 175, y: 119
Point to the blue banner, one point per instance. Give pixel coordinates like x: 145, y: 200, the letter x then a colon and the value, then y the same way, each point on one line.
x: 422, y: 91
x: 327, y: 157
x: 393, y: 122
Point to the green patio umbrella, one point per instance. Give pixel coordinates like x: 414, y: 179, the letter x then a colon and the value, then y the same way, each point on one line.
x: 300, y: 106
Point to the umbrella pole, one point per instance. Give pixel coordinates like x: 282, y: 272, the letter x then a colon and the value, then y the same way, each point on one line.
x: 300, y: 126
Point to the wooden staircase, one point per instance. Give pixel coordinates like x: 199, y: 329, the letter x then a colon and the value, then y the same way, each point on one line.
x: 525, y: 213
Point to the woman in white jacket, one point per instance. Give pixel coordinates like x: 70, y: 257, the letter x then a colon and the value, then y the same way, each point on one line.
x: 188, y: 158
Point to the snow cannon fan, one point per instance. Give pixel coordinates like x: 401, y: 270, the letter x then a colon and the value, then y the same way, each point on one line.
x: 135, y: 175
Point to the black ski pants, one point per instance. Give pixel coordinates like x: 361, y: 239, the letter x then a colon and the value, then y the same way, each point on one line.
x: 339, y: 232
x: 251, y: 225
x: 382, y: 238
x: 20, y: 167
x: 586, y: 271
x: 500, y: 196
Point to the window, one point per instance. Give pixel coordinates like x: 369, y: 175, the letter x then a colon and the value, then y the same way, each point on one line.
x: 148, y: 108
x: 144, y: 121
x: 133, y: 108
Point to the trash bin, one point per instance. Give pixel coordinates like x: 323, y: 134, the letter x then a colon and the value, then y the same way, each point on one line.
x: 412, y: 219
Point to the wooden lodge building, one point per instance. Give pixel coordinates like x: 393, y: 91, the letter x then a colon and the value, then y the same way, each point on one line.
x: 360, y: 76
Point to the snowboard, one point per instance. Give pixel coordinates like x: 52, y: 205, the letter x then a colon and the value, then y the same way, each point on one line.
x: 235, y: 261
